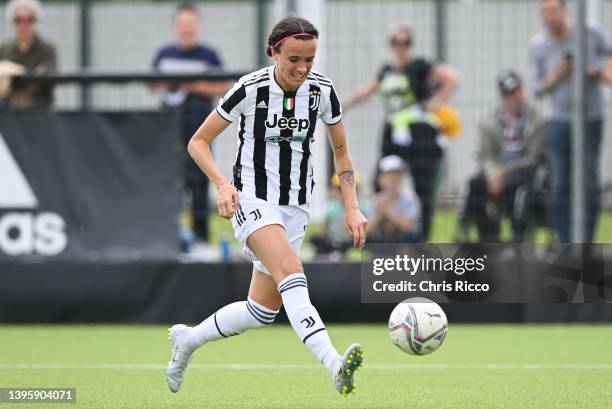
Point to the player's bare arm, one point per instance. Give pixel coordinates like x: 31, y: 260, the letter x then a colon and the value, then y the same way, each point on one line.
x: 355, y: 221
x: 199, y: 149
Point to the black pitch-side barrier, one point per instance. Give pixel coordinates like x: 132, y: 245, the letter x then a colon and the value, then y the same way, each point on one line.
x: 170, y: 291
x: 89, y: 184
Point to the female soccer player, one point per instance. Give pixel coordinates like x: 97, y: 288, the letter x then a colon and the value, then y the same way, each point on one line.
x: 267, y: 201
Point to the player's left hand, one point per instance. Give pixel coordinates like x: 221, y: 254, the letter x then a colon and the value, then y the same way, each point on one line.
x: 356, y: 225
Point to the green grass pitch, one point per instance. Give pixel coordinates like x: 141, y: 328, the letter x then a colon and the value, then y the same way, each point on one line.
x: 478, y: 366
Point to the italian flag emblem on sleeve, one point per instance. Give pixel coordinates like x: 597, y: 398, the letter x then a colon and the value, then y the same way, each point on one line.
x: 289, y: 103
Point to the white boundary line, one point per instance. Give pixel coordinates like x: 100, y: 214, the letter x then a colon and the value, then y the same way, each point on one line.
x: 382, y: 367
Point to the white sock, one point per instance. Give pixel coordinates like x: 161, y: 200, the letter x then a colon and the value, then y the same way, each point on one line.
x: 233, y: 319
x: 305, y: 320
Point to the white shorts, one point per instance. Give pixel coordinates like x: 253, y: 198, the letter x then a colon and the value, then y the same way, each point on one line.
x: 255, y: 213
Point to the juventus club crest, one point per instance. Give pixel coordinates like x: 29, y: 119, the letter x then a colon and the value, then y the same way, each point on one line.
x: 314, y: 99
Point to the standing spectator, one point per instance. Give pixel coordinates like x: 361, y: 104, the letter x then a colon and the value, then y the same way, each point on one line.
x: 405, y: 76
x: 188, y: 56
x: 511, y: 148
x: 552, y: 66
x: 413, y: 134
x: 404, y: 82
x: 395, y: 212
x: 31, y: 54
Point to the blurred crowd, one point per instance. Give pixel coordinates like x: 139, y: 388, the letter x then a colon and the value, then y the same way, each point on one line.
x: 524, y: 158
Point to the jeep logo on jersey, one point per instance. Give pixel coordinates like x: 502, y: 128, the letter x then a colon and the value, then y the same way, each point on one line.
x: 25, y: 231
x: 299, y: 124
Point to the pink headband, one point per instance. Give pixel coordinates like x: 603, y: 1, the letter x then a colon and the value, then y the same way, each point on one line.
x: 293, y: 35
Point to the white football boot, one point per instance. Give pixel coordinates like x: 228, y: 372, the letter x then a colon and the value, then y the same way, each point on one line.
x: 351, y: 361
x: 175, y: 371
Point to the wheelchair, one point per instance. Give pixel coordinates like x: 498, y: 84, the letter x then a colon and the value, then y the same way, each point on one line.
x: 530, y: 211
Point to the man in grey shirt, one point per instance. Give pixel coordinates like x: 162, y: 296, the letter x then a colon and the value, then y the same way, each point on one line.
x: 552, y: 61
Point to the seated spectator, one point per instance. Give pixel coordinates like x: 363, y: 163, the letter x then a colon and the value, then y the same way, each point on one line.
x: 395, y: 211
x: 29, y: 53
x: 511, y: 148
x: 333, y: 237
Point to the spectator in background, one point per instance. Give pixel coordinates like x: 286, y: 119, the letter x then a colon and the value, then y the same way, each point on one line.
x: 332, y: 237
x: 413, y: 134
x: 551, y: 53
x: 511, y: 147
x: 395, y: 212
x: 403, y: 83
x: 195, y: 99
x: 28, y: 53
x: 399, y: 80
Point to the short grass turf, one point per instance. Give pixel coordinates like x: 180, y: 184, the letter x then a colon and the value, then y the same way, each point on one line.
x: 478, y: 366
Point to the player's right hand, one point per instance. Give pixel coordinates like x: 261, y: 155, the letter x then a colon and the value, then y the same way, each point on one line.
x: 228, y: 200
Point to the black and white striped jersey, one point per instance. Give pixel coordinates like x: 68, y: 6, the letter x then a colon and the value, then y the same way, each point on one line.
x: 276, y: 129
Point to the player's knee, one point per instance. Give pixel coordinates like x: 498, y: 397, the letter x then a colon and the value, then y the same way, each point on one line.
x: 262, y: 316
x: 290, y: 265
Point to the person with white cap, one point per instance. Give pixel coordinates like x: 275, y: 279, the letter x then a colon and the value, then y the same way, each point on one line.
x: 395, y: 214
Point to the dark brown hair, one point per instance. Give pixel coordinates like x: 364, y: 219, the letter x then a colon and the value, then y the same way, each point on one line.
x: 289, y: 26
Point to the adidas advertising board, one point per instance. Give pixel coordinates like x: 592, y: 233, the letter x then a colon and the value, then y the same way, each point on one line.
x: 24, y: 228
x: 86, y: 184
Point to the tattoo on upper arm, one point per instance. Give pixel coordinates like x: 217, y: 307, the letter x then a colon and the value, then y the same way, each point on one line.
x: 347, y: 177
x: 339, y: 146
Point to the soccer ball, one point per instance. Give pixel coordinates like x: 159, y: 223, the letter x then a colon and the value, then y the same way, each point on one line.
x: 417, y: 326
